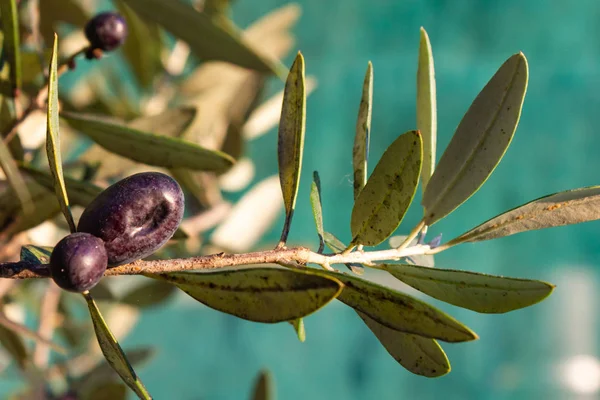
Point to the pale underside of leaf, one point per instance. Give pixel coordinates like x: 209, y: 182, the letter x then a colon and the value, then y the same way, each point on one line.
x: 399, y: 311
x: 474, y: 291
x: 53, y: 139
x: 419, y: 355
x: 360, y: 151
x: 480, y: 141
x: 426, y: 107
x: 148, y: 148
x: 558, y: 209
x: 383, y: 202
x: 262, y: 294
x: 113, y: 352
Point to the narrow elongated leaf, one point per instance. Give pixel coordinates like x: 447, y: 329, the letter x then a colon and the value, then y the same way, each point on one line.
x: 558, y: 209
x: 426, y: 107
x: 474, y: 291
x: 419, y: 355
x: 298, y: 325
x: 258, y: 294
x: 53, y: 139
x: 317, y: 208
x: 107, y: 391
x: 360, y: 151
x: 337, y: 246
x: 113, y: 353
x: 264, y: 389
x: 11, y: 44
x: 479, y: 142
x: 11, y: 170
x: 399, y: 311
x: 148, y: 148
x: 291, y: 139
x: 381, y: 205
x: 171, y: 122
x: 207, y: 37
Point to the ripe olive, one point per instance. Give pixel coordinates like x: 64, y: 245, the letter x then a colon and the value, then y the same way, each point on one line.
x: 135, y: 216
x: 78, y: 262
x: 106, y: 31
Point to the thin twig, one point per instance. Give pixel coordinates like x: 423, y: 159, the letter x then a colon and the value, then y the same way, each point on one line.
x: 298, y: 255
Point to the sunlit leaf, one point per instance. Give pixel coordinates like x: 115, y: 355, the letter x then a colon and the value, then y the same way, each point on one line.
x: 426, y: 107
x: 360, y: 151
x: 298, y: 325
x: 399, y: 311
x: 258, y: 294
x: 419, y: 355
x: 53, y: 140
x: 479, y: 142
x: 143, y: 46
x: 113, y: 352
x: 472, y: 290
x: 149, y: 294
x: 264, y: 388
x: 207, y: 38
x: 337, y: 246
x: 11, y: 44
x: 381, y: 205
x: 558, y: 209
x: 148, y: 148
x: 317, y: 208
x: 290, y: 144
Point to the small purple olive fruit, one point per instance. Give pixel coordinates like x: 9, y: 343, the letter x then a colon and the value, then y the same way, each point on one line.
x: 78, y: 262
x: 106, y: 31
x: 135, y: 216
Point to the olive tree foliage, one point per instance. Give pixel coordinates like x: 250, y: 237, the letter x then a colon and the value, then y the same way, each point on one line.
x: 192, y: 104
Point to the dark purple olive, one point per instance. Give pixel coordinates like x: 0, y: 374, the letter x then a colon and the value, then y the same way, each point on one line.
x: 106, y: 31
x: 78, y: 262
x: 135, y: 216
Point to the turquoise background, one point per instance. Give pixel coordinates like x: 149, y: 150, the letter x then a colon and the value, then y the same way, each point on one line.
x: 208, y: 355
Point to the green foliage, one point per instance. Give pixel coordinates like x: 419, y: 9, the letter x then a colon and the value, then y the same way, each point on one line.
x: 195, y: 126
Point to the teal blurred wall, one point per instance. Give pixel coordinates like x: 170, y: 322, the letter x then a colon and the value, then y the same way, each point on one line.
x: 548, y: 351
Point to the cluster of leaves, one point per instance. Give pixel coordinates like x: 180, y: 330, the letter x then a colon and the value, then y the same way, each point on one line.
x: 199, y: 140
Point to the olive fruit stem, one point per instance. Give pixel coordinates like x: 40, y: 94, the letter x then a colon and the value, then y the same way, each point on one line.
x: 284, y: 256
x: 40, y: 98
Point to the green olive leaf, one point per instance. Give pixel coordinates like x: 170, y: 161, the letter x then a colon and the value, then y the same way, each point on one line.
x: 208, y: 38
x: 36, y: 254
x: 262, y: 294
x: 149, y: 294
x: 290, y: 144
x: 171, y: 122
x: 298, y: 325
x: 399, y: 311
x: 264, y: 388
x: 420, y: 355
x: 7, y: 114
x: 474, y: 291
x: 317, y: 208
x: 381, y: 205
x: 14, y: 177
x: 107, y: 391
x: 11, y: 47
x: 337, y: 246
x: 479, y: 142
x: 143, y: 46
x: 113, y: 353
x: 426, y: 107
x: 360, y: 151
x: 148, y: 148
x: 558, y: 209
x: 53, y: 140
